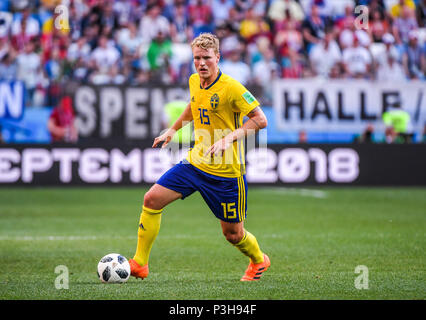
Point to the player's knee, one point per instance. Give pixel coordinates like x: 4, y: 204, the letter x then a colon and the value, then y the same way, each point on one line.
x: 150, y: 200
x: 233, y: 236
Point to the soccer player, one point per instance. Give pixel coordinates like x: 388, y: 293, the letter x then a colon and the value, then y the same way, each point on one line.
x: 214, y: 166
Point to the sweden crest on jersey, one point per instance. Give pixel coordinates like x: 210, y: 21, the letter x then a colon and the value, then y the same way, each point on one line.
x: 214, y: 102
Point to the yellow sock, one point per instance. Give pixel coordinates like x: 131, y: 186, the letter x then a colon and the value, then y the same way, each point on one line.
x: 149, y: 226
x: 249, y: 246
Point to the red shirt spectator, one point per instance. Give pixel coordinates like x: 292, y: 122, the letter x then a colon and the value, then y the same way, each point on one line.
x: 61, y: 122
x: 200, y: 14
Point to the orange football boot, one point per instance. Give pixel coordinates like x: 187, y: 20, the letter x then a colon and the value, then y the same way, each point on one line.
x: 254, y: 271
x: 138, y: 271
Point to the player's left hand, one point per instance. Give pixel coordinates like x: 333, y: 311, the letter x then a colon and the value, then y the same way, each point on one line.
x: 218, y: 148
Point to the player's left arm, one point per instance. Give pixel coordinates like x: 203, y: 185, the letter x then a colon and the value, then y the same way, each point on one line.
x: 257, y: 120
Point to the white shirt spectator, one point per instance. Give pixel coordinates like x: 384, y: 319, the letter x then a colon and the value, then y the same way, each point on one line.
x: 357, y: 59
x: 263, y: 71
x: 346, y: 38
x: 123, y: 9
x: 32, y: 28
x: 238, y: 70
x: 105, y: 57
x: 78, y: 51
x: 149, y: 27
x: 278, y: 8
x: 28, y: 65
x: 220, y: 9
x: 128, y: 41
x: 382, y: 56
x: 391, y: 72
x: 323, y: 59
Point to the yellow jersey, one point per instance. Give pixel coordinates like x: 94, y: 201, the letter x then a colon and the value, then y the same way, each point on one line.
x: 218, y: 110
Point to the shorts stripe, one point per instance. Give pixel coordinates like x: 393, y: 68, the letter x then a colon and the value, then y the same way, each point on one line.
x: 239, y: 199
x: 244, y: 200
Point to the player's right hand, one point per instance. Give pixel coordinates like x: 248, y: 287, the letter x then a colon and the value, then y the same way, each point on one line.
x: 165, y: 138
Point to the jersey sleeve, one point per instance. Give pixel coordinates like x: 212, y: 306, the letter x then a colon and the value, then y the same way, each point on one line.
x: 241, y: 99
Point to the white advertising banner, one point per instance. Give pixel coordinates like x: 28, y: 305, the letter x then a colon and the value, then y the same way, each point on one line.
x: 344, y: 105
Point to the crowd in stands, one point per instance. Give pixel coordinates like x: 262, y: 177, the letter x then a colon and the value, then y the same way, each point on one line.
x: 143, y: 41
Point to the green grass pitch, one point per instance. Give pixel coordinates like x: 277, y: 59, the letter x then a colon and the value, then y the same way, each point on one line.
x: 314, y: 237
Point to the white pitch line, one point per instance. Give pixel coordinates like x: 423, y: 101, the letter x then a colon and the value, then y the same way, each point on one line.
x: 85, y: 238
x: 313, y: 193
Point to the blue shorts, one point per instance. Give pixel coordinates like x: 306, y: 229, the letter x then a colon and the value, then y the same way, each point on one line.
x: 226, y: 197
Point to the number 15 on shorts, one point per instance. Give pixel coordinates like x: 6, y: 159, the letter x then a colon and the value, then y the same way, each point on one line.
x: 229, y: 211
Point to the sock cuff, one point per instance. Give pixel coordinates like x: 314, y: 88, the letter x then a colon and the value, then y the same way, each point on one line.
x: 151, y: 211
x: 244, y: 238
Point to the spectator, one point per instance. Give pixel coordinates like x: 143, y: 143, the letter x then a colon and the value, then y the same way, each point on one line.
x: 348, y: 19
x: 374, y: 5
x: 302, y: 137
x: 260, y: 7
x: 234, y: 67
x: 229, y: 40
x: 238, y: 24
x: 348, y: 30
x: 124, y: 12
x: 378, y: 26
x: 367, y: 135
x: 108, y: 19
x: 391, y: 70
x: 404, y: 24
x: 29, y: 70
x: 181, y: 30
x: 104, y: 62
x: 75, y: 21
x: 287, y: 31
x: 24, y: 23
x: 152, y: 23
x: 253, y: 26
x: 8, y: 68
x: 278, y: 8
x: 4, y: 47
x: 357, y: 61
x: 79, y: 50
x: 414, y: 57
x: 328, y: 48
x: 200, y: 17
x: 159, y: 55
x: 389, y: 49
x: 52, y: 25
x: 53, y: 66
x: 290, y: 62
x: 313, y: 28
x: 5, y: 23
x: 421, y: 13
x: 397, y: 9
x: 61, y: 123
x: 265, y: 72
x: 398, y: 125
x: 325, y: 8
x: 220, y: 9
x: 130, y: 42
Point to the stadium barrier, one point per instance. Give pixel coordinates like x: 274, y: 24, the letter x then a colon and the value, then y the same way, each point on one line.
x: 340, y: 107
x: 276, y: 165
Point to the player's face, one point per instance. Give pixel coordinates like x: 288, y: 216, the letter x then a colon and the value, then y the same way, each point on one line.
x: 206, y: 62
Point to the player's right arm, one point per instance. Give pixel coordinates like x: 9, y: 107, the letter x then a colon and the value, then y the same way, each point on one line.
x: 185, y: 118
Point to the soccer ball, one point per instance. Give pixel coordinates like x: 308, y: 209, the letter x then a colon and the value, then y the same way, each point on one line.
x: 113, y: 268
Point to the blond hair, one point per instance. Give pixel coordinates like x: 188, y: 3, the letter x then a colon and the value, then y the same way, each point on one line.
x: 206, y: 41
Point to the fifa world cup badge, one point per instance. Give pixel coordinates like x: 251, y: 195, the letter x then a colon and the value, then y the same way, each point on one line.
x: 214, y: 102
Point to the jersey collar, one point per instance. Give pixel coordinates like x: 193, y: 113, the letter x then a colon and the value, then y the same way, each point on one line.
x: 211, y: 85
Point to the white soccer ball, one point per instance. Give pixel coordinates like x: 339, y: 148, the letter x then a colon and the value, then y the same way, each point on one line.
x: 113, y: 268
